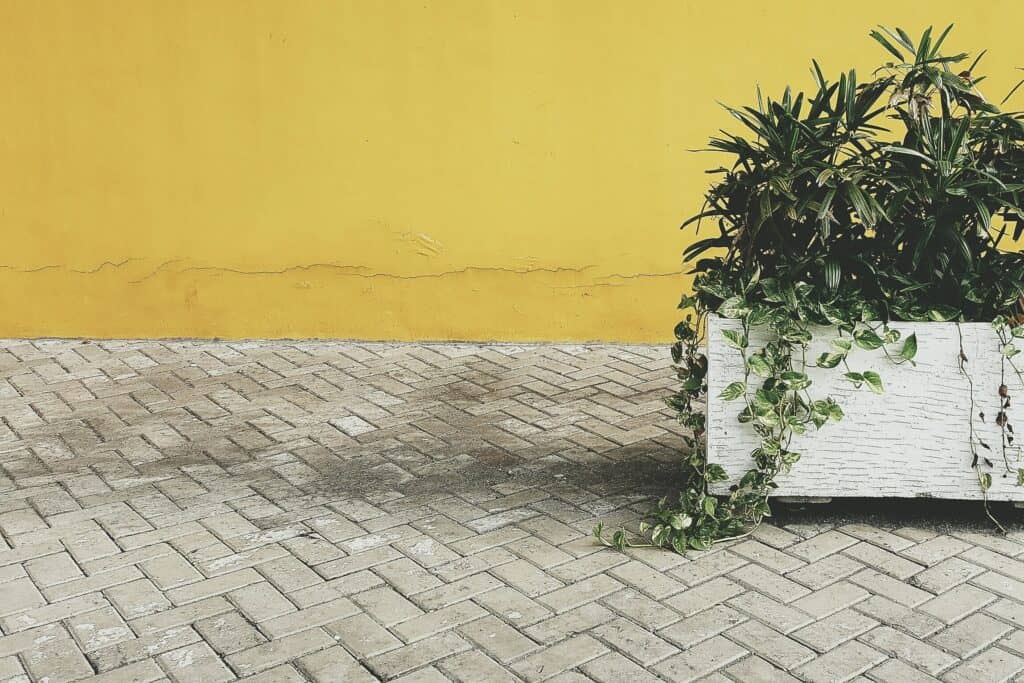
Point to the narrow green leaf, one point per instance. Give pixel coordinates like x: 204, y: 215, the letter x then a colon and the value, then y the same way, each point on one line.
x: 887, y: 45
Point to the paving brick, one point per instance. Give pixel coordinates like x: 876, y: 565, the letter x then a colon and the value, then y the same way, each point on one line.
x: 945, y: 575
x: 700, y: 660
x: 195, y: 662
x: 991, y: 665
x: 98, y: 628
x: 577, y: 594
x: 140, y: 672
x: 841, y: 664
x: 701, y: 626
x: 456, y: 591
x: 498, y: 639
x: 821, y: 545
x: 769, y: 583
x: 641, y: 645
x: 568, y: 654
x: 708, y: 595
x: 779, y: 649
x: 387, y: 606
x: 830, y: 600
x: 363, y: 636
x: 896, y: 671
x: 270, y: 654
x: 645, y: 611
x: 957, y: 603
x: 832, y: 631
x: 783, y: 617
x: 767, y: 556
x: 653, y: 583
x: 825, y: 571
x: 1008, y: 611
x: 415, y: 655
x: 891, y: 588
x: 473, y: 665
x: 229, y: 633
x: 137, y: 598
x: 215, y: 586
x: 935, y: 550
x: 614, y: 667
x: 334, y: 664
x: 1002, y: 585
x: 755, y: 668
x: 579, y: 620
x: 261, y: 601
x: 57, y: 660
x: 53, y: 569
x: 908, y: 649
x: 18, y: 596
x: 170, y: 571
x: 309, y: 617
x: 892, y: 613
x: 527, y: 578
x: 970, y: 635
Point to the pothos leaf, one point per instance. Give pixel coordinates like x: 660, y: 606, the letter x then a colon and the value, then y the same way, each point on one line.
x: 943, y: 313
x: 909, y: 349
x: 733, y: 391
x: 866, y: 338
x: 733, y: 307
x: 830, y: 360
x: 735, y: 339
x: 841, y: 345
x: 759, y: 365
x: 873, y: 381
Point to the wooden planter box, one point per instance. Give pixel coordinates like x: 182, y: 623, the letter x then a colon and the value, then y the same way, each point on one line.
x: 911, y: 441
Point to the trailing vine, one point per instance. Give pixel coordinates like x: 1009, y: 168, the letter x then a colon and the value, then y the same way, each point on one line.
x: 828, y: 220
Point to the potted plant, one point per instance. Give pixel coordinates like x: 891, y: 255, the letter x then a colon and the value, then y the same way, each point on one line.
x: 859, y: 299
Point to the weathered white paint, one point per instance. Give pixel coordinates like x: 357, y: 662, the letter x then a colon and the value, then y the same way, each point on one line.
x: 911, y: 441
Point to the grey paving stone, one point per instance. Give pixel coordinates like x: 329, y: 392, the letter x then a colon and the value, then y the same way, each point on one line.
x: 499, y: 640
x: 700, y: 660
x: 970, y: 635
x: 841, y: 664
x: 568, y: 654
x: 908, y: 649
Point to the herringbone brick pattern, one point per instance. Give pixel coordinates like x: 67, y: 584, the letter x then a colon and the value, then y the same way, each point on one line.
x: 275, y: 511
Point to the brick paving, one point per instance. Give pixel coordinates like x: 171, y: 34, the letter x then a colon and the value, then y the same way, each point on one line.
x: 296, y: 511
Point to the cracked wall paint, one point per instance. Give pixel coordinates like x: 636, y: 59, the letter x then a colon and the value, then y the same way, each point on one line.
x: 466, y: 169
x: 163, y: 299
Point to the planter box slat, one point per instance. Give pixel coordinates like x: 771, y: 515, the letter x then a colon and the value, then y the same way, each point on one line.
x: 911, y: 441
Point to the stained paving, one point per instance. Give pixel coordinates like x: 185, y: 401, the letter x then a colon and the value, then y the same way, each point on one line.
x: 327, y: 511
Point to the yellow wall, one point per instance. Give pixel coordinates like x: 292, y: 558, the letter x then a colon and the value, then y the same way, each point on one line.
x: 457, y: 169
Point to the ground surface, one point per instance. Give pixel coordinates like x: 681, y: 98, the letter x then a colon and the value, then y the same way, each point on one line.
x: 347, y: 512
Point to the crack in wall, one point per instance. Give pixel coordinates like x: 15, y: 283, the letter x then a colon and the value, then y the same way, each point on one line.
x: 58, y: 266
x: 349, y: 270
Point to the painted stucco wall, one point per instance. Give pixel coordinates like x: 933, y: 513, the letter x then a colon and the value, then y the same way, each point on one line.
x: 383, y: 169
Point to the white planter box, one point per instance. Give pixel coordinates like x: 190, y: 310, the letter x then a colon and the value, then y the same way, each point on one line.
x: 911, y: 441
